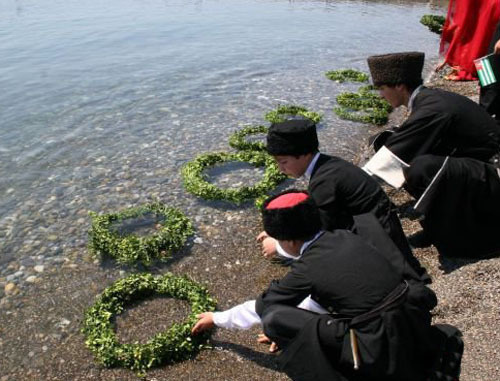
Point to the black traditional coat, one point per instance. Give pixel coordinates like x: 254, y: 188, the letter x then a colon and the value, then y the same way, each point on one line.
x: 346, y: 274
x: 342, y: 190
x: 442, y: 123
x: 461, y: 198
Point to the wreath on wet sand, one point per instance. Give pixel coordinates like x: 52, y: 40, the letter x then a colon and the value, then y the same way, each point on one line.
x: 174, y: 344
x: 172, y: 230
x: 196, y: 183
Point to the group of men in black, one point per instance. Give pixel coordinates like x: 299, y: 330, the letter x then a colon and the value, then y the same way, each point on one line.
x: 355, y: 304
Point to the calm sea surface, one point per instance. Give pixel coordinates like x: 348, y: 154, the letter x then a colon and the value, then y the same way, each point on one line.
x: 101, y: 102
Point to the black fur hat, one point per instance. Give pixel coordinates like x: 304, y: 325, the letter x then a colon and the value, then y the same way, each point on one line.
x: 292, y: 137
x: 291, y: 215
x: 396, y: 68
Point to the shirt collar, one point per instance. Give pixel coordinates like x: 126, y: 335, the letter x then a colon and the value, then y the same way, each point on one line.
x: 304, y: 246
x: 413, y: 96
x: 311, y: 166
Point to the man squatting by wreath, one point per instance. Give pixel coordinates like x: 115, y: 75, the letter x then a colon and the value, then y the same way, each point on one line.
x: 370, y: 317
x: 340, y: 189
x: 445, y: 155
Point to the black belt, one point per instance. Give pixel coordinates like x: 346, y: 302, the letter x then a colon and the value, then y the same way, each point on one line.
x: 393, y: 299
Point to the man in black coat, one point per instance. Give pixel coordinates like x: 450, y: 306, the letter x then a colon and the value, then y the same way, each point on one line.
x: 340, y: 189
x: 443, y: 154
x: 379, y: 326
x: 375, y: 321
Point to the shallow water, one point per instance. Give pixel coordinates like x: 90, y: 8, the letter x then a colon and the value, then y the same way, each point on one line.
x: 101, y: 104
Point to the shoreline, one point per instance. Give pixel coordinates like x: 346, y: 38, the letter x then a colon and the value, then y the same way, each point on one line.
x: 225, y: 257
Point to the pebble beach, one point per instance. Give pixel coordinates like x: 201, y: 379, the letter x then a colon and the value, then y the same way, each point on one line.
x: 81, y: 136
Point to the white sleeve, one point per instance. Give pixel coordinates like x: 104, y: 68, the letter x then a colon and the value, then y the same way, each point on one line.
x: 387, y: 166
x: 242, y: 316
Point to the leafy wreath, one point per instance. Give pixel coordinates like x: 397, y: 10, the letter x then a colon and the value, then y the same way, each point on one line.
x: 196, y: 183
x: 433, y: 22
x: 172, y: 233
x: 279, y: 115
x: 376, y: 108
x: 350, y: 75
x: 174, y: 344
x: 238, y: 141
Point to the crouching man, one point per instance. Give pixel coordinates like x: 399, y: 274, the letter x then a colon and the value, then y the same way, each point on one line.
x: 377, y: 323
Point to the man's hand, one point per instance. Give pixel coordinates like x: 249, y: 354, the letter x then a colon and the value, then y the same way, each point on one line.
x: 496, y: 49
x: 269, y: 247
x: 205, y: 322
x: 263, y: 339
x: 262, y: 236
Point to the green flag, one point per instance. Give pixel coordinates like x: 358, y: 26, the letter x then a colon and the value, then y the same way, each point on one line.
x: 485, y: 71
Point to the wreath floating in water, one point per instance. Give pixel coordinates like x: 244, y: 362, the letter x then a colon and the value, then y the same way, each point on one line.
x: 363, y: 106
x: 435, y: 23
x: 174, y: 344
x: 196, y: 183
x: 281, y: 113
x: 237, y: 140
x: 350, y: 75
x: 172, y: 230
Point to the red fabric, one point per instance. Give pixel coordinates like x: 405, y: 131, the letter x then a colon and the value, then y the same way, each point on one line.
x: 287, y: 200
x: 467, y: 32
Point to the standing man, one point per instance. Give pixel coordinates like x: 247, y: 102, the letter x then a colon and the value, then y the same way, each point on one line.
x: 340, y: 189
x: 444, y: 154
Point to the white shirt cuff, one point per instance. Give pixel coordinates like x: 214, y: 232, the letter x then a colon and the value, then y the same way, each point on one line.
x: 242, y: 316
x: 387, y: 166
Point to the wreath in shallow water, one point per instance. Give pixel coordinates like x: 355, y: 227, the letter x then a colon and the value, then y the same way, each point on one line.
x: 172, y: 230
x: 350, y: 75
x: 196, y: 183
x: 281, y: 113
x: 435, y: 23
x: 363, y: 106
x: 174, y: 344
x: 237, y: 140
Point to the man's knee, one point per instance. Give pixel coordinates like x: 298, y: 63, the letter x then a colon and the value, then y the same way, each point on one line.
x: 270, y: 321
x: 421, y: 172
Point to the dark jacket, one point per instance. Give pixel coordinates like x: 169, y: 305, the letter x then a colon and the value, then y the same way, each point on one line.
x: 350, y: 276
x: 444, y: 124
x: 459, y: 196
x: 342, y: 190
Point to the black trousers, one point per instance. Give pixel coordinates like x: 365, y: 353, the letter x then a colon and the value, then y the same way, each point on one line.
x: 460, y: 198
x: 282, y: 323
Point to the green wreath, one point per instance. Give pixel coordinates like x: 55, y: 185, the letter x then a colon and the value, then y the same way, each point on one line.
x: 376, y: 109
x: 174, y: 344
x: 279, y: 115
x: 343, y: 75
x: 238, y: 141
x: 171, y: 235
x: 433, y: 22
x: 196, y: 183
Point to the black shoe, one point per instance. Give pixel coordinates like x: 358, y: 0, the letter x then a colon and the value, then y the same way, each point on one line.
x: 419, y: 240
